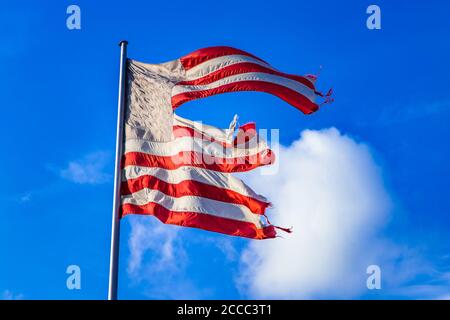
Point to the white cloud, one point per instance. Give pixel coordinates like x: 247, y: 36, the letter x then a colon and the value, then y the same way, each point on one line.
x: 88, y: 170
x: 330, y: 190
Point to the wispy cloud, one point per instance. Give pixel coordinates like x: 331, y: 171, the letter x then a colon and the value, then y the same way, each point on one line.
x: 25, y: 197
x: 147, y: 234
x: 88, y: 170
x: 158, y: 260
x: 411, y: 111
x: 8, y: 295
x: 225, y: 245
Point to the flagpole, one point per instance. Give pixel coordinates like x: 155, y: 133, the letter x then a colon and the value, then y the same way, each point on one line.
x: 115, y: 225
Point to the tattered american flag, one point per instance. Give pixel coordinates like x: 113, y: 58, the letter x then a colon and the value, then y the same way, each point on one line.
x: 180, y: 171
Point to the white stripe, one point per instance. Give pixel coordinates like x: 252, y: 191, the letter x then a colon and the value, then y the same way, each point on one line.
x: 216, y: 133
x: 219, y: 135
x: 194, y: 204
x: 212, y: 65
x: 195, y: 144
x: 250, y: 76
x: 214, y: 178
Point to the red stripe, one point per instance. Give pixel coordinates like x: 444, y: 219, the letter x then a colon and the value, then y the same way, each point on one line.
x: 244, y: 67
x: 245, y: 133
x: 199, y: 56
x: 193, y: 188
x: 201, y: 221
x: 248, y: 126
x: 196, y: 159
x: 292, y: 97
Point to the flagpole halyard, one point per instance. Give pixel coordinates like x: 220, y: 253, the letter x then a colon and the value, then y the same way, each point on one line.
x: 115, y: 225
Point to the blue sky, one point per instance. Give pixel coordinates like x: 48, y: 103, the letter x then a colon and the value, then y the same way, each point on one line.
x: 59, y: 92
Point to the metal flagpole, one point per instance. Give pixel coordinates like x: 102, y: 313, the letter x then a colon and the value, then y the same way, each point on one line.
x: 115, y: 227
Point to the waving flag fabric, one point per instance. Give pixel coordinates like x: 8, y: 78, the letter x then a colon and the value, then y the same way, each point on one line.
x: 217, y: 70
x: 188, y: 181
x: 181, y: 171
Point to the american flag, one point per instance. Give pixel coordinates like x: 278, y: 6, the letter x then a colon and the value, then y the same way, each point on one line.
x: 181, y: 171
